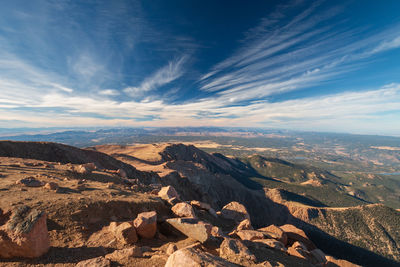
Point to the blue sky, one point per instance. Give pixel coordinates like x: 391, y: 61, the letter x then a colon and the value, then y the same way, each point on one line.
x: 303, y: 65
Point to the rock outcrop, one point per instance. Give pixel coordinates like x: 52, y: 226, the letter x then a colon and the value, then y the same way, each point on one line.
x: 23, y: 233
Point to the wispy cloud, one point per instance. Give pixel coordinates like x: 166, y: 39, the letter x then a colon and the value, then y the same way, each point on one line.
x: 109, y: 92
x: 172, y: 71
x: 287, y: 55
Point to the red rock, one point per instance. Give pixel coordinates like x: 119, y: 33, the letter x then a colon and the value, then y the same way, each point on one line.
x: 235, y: 211
x: 51, y: 186
x: 183, y: 210
x: 275, y: 232
x: 191, y: 227
x: 250, y: 234
x: 295, y: 234
x: 233, y: 249
x: 126, y: 233
x: 23, y: 233
x: 168, y: 192
x: 146, y: 224
x: 216, y: 231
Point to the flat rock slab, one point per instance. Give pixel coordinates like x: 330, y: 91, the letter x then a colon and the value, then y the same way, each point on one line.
x: 192, y: 228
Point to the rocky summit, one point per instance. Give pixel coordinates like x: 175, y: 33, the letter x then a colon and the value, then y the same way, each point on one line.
x: 167, y: 205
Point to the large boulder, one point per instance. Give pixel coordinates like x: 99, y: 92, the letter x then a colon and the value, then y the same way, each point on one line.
x: 232, y: 249
x: 192, y: 257
x: 275, y: 232
x: 191, y: 227
x: 168, y: 192
x: 235, y: 211
x: 183, y: 210
x: 295, y: 234
x: 23, y: 233
x: 146, y: 224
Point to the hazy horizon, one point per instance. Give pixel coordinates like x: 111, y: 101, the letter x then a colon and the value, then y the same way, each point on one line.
x: 323, y: 66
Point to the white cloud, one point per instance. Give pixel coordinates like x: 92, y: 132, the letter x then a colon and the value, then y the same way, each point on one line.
x: 172, y: 71
x: 109, y: 92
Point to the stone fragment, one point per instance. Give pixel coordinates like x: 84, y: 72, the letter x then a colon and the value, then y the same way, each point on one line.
x: 95, y: 262
x: 132, y: 252
x: 216, y: 231
x: 51, y: 186
x: 233, y: 248
x: 250, y: 234
x: 183, y: 210
x: 125, y: 233
x: 275, y: 232
x: 235, y: 211
x: 23, y: 233
x: 192, y: 257
x: 295, y: 234
x: 146, y: 224
x: 81, y: 169
x: 30, y: 182
x: 191, y: 227
x: 168, y: 192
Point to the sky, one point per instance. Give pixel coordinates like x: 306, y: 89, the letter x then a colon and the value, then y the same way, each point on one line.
x: 299, y: 65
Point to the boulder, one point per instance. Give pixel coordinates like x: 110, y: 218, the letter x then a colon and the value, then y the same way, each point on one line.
x: 295, y: 234
x: 200, y: 205
x: 95, y: 262
x: 235, y: 211
x: 171, y: 249
x: 168, y: 192
x: 244, y: 225
x: 51, y: 186
x: 192, y: 257
x: 275, y: 232
x: 233, y: 249
x: 30, y: 182
x: 146, y: 224
x: 183, y: 210
x: 192, y: 228
x: 23, y: 233
x: 125, y: 233
x: 250, y: 234
x: 132, y: 252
